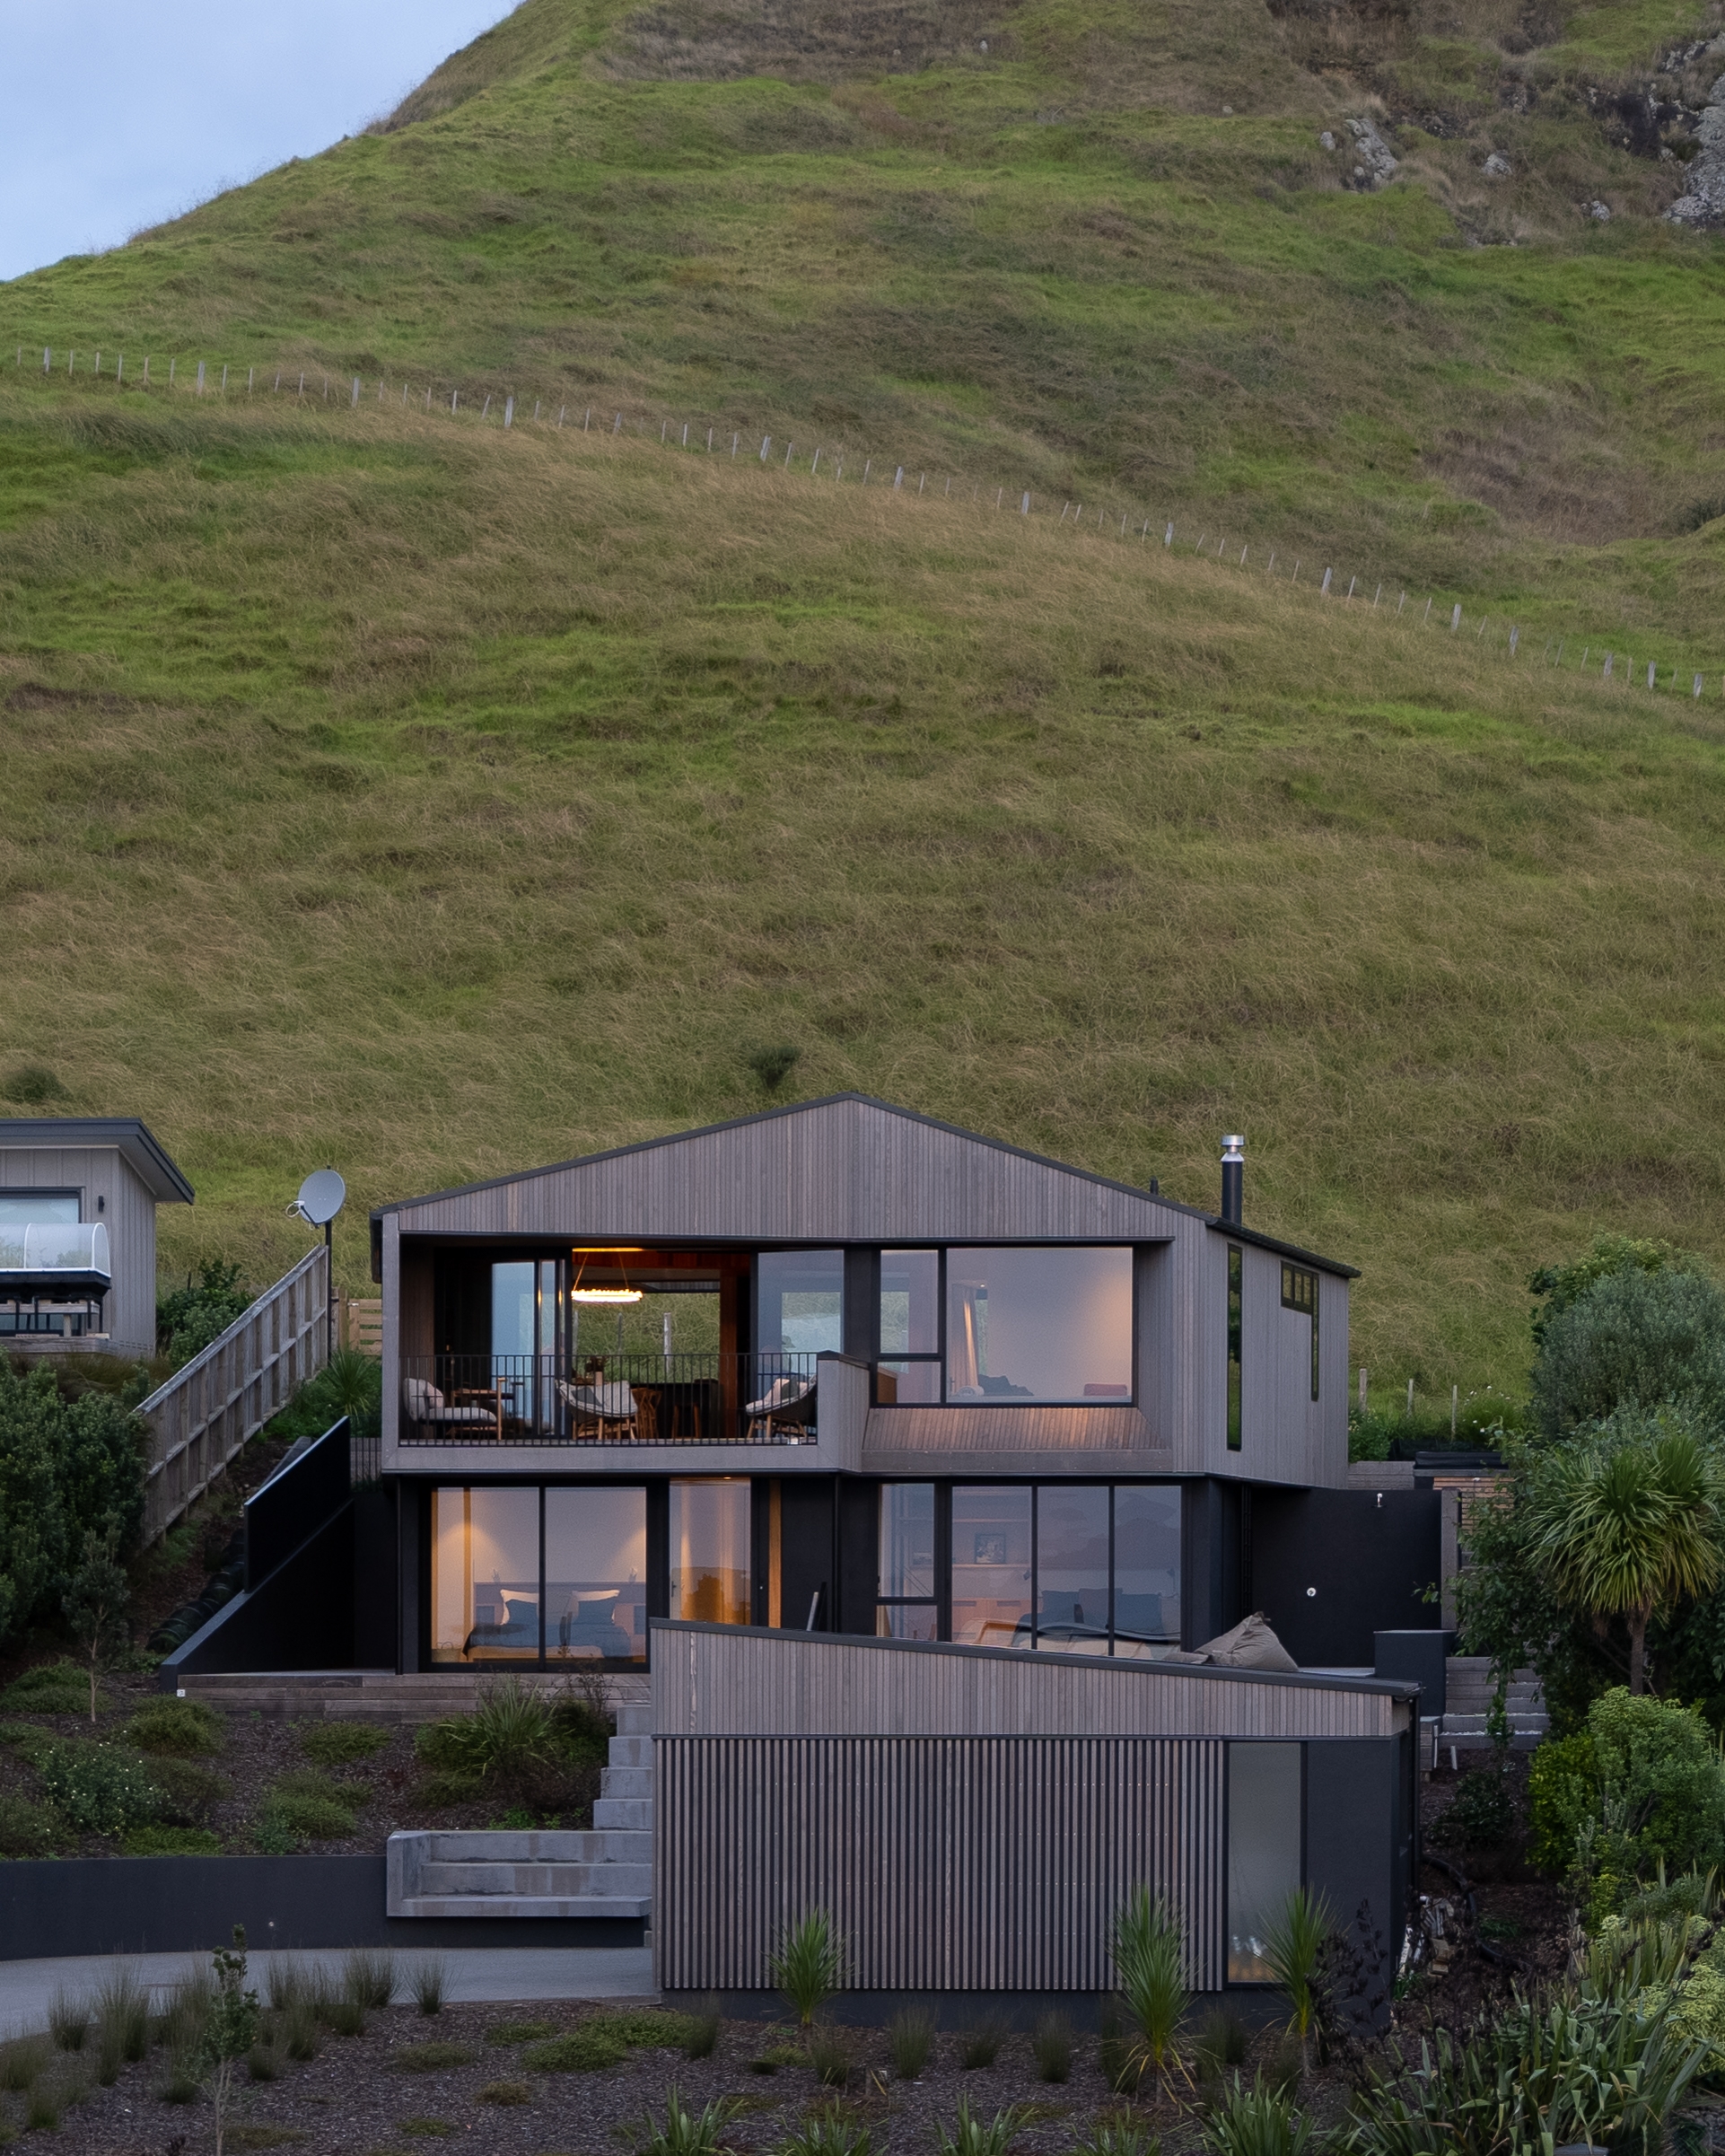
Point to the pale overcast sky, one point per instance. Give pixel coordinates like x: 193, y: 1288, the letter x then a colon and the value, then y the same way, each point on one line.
x: 114, y: 114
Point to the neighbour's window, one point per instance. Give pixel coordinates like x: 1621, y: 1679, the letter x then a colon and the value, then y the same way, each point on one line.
x: 907, y: 1607
x: 1038, y: 1325
x: 34, y: 1208
x: 1265, y: 1841
x: 1299, y: 1293
x: 909, y: 1371
x: 1236, y: 1298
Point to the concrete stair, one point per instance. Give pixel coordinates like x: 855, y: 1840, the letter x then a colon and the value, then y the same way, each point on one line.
x: 603, y: 1870
x: 1467, y: 1702
x: 379, y: 1695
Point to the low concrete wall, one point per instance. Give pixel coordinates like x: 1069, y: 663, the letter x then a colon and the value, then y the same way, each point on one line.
x: 162, y: 1904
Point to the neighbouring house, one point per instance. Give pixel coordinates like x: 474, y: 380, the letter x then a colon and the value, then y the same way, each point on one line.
x: 78, y: 1198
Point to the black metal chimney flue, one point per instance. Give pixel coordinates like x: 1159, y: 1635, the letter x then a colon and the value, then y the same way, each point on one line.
x: 1233, y: 1180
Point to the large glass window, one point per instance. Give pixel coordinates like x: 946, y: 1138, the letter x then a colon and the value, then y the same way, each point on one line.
x: 990, y: 1565
x: 1299, y: 1293
x: 800, y: 1303
x: 596, y: 1574
x: 1147, y: 1564
x: 1038, y: 1325
x: 28, y: 1208
x: 1264, y: 1850
x: 1072, y: 1566
x: 909, y: 1608
x: 485, y: 1596
x: 909, y: 1373
x: 710, y: 1551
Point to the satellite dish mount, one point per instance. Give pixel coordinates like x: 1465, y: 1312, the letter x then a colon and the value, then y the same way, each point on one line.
x: 322, y: 1195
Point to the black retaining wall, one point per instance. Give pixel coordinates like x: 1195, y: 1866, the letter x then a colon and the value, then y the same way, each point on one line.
x: 164, y: 1905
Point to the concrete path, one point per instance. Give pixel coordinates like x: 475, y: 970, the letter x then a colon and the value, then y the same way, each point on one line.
x: 28, y: 1988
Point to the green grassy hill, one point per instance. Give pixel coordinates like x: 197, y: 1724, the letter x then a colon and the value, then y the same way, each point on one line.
x: 386, y: 789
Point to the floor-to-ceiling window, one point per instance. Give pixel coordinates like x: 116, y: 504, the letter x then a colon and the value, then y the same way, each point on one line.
x: 1265, y: 1846
x: 710, y: 1550
x: 595, y: 1575
x: 908, y: 1606
x: 520, y: 1574
x: 486, y: 1586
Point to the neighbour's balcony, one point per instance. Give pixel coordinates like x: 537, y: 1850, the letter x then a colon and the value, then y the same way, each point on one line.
x: 613, y: 1400
x: 58, y: 1259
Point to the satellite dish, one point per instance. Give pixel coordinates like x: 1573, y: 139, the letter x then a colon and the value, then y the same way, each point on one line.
x: 321, y: 1197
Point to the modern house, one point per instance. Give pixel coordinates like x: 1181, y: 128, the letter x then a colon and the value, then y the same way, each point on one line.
x: 78, y: 1198
x: 841, y: 1368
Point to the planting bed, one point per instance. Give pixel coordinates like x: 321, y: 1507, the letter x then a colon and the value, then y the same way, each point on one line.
x: 254, y: 1786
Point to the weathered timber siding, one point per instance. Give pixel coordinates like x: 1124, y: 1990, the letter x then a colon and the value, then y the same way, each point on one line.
x: 948, y: 1863
x: 716, y: 1680
x: 129, y: 1213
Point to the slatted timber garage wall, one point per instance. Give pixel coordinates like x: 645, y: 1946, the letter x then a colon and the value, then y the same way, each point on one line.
x: 946, y: 1863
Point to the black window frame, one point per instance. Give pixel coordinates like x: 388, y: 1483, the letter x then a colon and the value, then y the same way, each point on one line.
x: 1300, y: 1294
x: 1236, y: 1400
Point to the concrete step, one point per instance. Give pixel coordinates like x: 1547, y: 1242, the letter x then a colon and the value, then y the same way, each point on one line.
x: 625, y: 1782
x: 635, y: 1718
x: 626, y: 1905
x: 631, y: 1750
x: 384, y: 1695
x: 635, y: 1812
x: 534, y: 1846
x: 559, y: 1879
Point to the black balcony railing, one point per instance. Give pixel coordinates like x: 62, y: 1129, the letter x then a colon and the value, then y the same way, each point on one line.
x: 611, y: 1400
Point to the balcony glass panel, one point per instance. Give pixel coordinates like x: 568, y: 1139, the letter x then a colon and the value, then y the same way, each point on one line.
x: 596, y: 1576
x: 710, y: 1551
x: 1038, y: 1325
x: 801, y: 1295
x: 991, y: 1566
x: 51, y: 1251
x: 485, y: 1575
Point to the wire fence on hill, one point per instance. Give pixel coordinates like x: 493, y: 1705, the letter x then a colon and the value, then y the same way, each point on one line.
x: 314, y: 385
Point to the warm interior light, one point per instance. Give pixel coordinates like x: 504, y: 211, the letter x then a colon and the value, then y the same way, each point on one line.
x: 606, y: 1294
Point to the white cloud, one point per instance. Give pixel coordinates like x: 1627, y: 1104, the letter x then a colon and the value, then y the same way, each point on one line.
x: 114, y: 114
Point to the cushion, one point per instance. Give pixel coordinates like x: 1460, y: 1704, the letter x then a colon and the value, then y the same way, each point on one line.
x: 419, y: 1396
x: 1250, y: 1645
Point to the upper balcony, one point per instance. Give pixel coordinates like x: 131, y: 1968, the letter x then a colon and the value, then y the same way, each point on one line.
x: 618, y: 1401
x: 43, y: 1257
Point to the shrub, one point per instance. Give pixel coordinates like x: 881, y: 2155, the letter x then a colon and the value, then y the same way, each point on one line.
x: 830, y: 2057
x: 431, y: 2058
x: 171, y: 1841
x: 188, y: 1789
x: 1641, y: 1788
x: 1115, y: 2137
x: 1294, y: 1942
x: 584, y: 2050
x: 511, y: 1728
x: 1257, y: 2122
x: 69, y: 2022
x: 314, y: 1807
x: 427, y: 2129
x: 98, y: 1789
x: 701, y: 2035
x: 979, y: 2044
x: 769, y: 2059
x: 1602, y: 2070
x: 808, y: 1964
x: 828, y: 2130
x: 340, y: 1743
x: 1480, y: 1815
x: 368, y: 1975
x: 971, y: 2137
x: 28, y: 1829
x: 1149, y: 1964
x: 59, y: 1687
x: 646, y: 2028
x: 685, y: 2132
x: 67, y: 1468
x: 190, y: 1317
x: 184, y: 1728
x: 427, y: 1980
x: 519, y: 2032
x: 1052, y: 2045
x: 1631, y: 1339
x: 22, y: 2063
x: 506, y: 2092
x: 1220, y: 2043
x: 122, y: 2007
x: 910, y: 2037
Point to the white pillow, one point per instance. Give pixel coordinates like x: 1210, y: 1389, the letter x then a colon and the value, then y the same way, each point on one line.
x: 419, y: 1396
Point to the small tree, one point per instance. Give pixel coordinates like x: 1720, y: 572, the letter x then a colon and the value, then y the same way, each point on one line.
x: 1294, y: 1943
x: 1631, y: 1523
x: 230, y: 2032
x: 809, y: 1965
x: 98, y: 1602
x: 1150, y: 1966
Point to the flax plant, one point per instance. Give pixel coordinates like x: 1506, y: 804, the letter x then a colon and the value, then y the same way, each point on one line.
x: 1150, y: 1966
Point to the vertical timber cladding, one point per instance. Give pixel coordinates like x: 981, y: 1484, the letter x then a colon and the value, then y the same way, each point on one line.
x: 948, y: 1863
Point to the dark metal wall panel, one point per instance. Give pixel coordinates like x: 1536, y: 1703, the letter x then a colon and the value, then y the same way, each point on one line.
x: 947, y: 1863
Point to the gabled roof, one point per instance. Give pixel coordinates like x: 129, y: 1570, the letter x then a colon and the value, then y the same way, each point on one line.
x: 135, y: 1143
x: 843, y: 1168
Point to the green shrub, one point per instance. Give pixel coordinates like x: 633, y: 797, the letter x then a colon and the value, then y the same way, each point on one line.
x: 59, y: 1688
x: 183, y: 1729
x: 506, y: 2093
x: 519, y: 2032
x: 188, y: 1788
x: 1631, y: 1339
x: 516, y: 1740
x: 190, y: 1317
x: 910, y: 2037
x: 685, y: 2132
x: 1149, y: 1964
x: 340, y: 1743
x: 808, y: 1964
x: 830, y: 2057
x: 828, y: 2130
x: 644, y: 2028
x: 584, y: 2050
x: 67, y: 1467
x: 979, y: 2044
x: 171, y: 1841
x: 436, y: 2058
x: 701, y: 2029
x: 1257, y: 2122
x: 28, y: 1829
x: 313, y: 1807
x: 1480, y: 1815
x: 972, y: 2136
x: 1052, y: 2047
x: 99, y: 1789
x: 1640, y: 1789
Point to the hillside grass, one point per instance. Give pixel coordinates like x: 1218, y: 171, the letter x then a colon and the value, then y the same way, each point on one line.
x: 398, y: 793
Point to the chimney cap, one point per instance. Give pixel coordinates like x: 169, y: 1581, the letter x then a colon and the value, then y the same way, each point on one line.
x: 1234, y: 1149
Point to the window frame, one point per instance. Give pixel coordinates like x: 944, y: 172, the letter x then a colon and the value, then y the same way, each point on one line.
x: 1235, y: 1397
x: 1301, y: 1292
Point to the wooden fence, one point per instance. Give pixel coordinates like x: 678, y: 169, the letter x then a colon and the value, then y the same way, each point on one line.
x: 360, y: 1324
x: 199, y: 1419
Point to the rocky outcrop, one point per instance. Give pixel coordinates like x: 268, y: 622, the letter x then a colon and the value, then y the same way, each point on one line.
x: 1374, y: 161
x: 1702, y: 204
